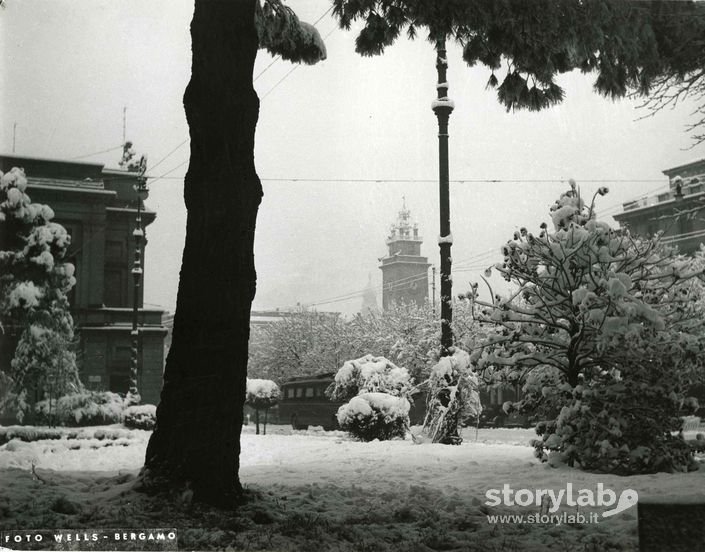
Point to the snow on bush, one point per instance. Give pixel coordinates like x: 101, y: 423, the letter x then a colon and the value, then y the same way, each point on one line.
x: 29, y: 434
x: 452, y: 398
x: 622, y: 422
x: 370, y: 374
x: 84, y: 408
x: 140, y: 416
x: 261, y: 394
x: 370, y: 416
x: 262, y: 391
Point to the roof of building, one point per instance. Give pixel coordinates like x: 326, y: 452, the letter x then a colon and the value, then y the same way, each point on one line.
x: 674, y: 170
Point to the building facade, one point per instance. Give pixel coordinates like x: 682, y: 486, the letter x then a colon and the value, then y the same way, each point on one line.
x: 678, y: 212
x: 404, y: 270
x: 98, y: 206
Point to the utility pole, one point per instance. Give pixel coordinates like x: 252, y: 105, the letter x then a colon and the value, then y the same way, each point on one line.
x: 442, y: 106
x: 14, y: 136
x: 124, y: 124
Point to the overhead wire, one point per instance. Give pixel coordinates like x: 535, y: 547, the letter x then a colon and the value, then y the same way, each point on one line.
x: 298, y: 180
x: 168, y: 155
x: 97, y: 152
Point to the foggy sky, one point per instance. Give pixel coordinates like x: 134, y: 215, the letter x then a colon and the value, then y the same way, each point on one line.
x: 329, y: 140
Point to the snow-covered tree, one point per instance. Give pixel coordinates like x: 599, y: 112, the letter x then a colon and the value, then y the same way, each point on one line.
x: 306, y: 342
x: 453, y: 396
x: 409, y: 335
x: 35, y: 320
x: 596, y: 313
x: 262, y: 395
x: 301, y: 342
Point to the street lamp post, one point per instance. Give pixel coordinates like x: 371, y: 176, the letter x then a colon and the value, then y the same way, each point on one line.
x: 442, y: 106
x: 140, y: 188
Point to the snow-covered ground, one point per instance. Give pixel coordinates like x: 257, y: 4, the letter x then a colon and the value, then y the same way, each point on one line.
x: 323, y: 488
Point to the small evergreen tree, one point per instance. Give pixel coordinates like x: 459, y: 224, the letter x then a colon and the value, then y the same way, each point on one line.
x: 34, y: 309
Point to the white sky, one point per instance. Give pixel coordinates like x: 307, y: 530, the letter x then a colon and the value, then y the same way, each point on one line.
x: 69, y: 67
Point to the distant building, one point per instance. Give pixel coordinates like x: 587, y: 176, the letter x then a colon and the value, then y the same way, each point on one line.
x: 97, y: 206
x: 678, y: 211
x: 404, y: 270
x: 369, y: 298
x: 267, y: 317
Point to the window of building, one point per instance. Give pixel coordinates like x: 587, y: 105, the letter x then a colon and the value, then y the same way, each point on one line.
x: 115, y: 291
x: 309, y: 392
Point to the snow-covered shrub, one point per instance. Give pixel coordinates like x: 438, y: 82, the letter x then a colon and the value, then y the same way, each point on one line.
x: 370, y: 416
x: 369, y: 374
x: 261, y: 394
x: 453, y: 396
x: 84, y: 408
x: 623, y: 425
x: 544, y: 393
x: 141, y: 416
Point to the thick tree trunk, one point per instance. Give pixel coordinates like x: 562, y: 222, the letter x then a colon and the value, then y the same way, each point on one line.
x: 197, y: 437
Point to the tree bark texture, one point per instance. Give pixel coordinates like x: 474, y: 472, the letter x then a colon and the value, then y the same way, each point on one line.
x: 196, y: 441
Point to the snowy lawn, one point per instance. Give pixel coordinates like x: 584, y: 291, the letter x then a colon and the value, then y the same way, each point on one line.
x: 315, y: 490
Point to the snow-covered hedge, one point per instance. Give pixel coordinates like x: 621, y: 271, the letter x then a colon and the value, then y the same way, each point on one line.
x: 84, y: 408
x: 375, y: 416
x: 141, y: 416
x: 370, y: 374
x: 30, y: 434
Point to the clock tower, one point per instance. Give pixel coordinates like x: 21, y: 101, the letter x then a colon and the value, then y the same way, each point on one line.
x: 404, y: 270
